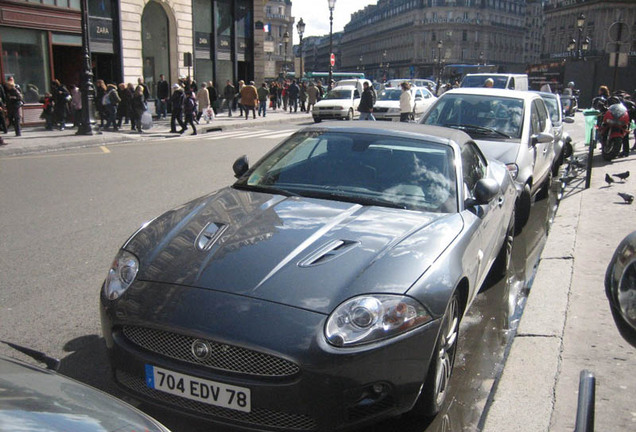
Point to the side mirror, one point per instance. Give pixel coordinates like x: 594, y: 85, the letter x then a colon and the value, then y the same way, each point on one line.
x: 485, y: 190
x: 542, y: 138
x: 240, y: 166
x: 568, y: 120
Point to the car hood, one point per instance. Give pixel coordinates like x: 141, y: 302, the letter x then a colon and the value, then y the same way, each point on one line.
x: 386, y: 104
x: 34, y: 400
x: 331, y: 102
x: 303, y: 252
x: 505, y: 151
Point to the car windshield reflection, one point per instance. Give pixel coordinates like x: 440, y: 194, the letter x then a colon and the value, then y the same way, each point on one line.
x: 338, y: 94
x: 479, y: 115
x: 390, y: 94
x: 361, y: 168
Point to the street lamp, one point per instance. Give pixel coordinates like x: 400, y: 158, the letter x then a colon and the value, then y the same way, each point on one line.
x: 300, y: 27
x: 286, y: 41
x: 580, y: 22
x: 384, y: 65
x: 439, y: 64
x: 86, y: 86
x: 332, y: 4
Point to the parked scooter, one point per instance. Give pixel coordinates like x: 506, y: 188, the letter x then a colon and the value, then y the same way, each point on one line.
x: 614, y: 127
x: 570, y: 100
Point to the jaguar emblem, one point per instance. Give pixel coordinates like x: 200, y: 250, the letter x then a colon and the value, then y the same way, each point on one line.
x: 201, y: 350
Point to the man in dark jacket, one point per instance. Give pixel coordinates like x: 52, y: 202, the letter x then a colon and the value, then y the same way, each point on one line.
x: 163, y: 93
x: 366, y: 103
x: 228, y: 94
x: 292, y: 91
x: 176, y: 101
x: 14, y: 102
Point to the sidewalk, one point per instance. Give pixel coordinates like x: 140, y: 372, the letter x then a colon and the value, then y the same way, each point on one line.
x: 36, y: 139
x: 567, y: 325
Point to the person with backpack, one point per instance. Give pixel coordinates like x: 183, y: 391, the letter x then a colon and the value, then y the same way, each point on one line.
x: 110, y: 101
x: 176, y: 102
x: 189, y: 111
x: 137, y: 107
x: 62, y: 103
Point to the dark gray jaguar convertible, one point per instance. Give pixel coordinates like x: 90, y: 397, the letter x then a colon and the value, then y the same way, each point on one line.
x: 322, y: 290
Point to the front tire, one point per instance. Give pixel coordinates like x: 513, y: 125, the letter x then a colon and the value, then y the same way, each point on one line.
x: 349, y: 114
x: 500, y: 267
x: 611, y: 148
x: 436, y: 386
x: 522, y: 209
x: 317, y: 119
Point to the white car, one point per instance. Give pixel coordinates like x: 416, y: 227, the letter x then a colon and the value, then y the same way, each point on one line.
x: 387, y: 104
x: 509, y: 125
x: 339, y: 103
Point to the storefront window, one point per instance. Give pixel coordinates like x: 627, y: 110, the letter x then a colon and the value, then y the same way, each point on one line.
x: 224, y: 22
x: 25, y: 58
x: 202, y: 16
x: 154, y: 28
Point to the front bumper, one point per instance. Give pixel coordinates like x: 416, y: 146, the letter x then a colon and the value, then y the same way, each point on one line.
x: 331, y: 389
x: 329, y: 113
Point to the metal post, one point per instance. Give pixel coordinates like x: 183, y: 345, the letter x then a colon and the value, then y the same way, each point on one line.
x: 332, y: 3
x: 86, y: 85
x: 585, y: 407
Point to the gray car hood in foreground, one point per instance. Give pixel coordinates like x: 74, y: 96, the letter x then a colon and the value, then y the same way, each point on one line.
x: 302, y: 252
x: 36, y: 400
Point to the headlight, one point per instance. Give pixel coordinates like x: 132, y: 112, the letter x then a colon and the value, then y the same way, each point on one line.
x: 121, y: 275
x: 370, y: 318
x: 338, y: 108
x: 513, y: 169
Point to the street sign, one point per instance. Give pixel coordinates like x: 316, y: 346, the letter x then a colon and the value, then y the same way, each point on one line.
x: 618, y: 32
x: 332, y: 59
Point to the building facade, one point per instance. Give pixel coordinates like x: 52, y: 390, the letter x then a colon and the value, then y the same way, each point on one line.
x: 210, y: 40
x: 413, y: 38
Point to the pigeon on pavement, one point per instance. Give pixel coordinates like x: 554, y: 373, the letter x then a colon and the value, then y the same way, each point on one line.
x: 622, y: 175
x: 609, y: 180
x: 629, y: 198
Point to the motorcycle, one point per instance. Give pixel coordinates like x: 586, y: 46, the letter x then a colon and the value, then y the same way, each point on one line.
x: 570, y: 103
x: 614, y: 127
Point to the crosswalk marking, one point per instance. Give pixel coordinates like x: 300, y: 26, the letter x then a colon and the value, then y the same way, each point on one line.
x: 259, y: 133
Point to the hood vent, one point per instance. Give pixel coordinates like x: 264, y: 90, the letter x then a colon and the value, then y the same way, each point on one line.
x: 328, y: 252
x: 209, y: 235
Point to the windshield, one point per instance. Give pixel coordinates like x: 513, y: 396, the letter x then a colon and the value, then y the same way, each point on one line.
x: 338, y: 94
x: 478, y: 115
x: 369, y: 169
x: 390, y: 94
x: 480, y: 80
x: 553, y: 109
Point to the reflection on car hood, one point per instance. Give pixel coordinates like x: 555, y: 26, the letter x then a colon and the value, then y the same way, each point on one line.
x: 505, y: 151
x: 35, y: 400
x: 303, y: 252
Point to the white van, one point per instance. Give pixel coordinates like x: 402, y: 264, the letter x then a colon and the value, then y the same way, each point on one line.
x: 358, y: 82
x: 501, y: 80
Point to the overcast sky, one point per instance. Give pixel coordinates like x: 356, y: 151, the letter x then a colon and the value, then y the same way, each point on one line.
x: 315, y: 14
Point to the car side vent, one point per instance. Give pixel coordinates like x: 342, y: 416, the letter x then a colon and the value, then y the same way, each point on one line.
x: 328, y: 252
x: 209, y: 235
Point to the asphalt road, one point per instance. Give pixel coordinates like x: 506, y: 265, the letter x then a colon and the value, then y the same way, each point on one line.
x: 63, y: 216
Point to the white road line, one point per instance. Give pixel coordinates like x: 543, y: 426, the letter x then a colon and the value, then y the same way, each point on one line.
x: 224, y: 135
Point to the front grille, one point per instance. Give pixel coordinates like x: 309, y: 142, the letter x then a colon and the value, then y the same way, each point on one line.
x: 261, y: 417
x: 380, y: 110
x: 222, y: 356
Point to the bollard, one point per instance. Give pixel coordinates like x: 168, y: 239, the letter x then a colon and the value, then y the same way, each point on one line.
x: 591, y: 115
x: 585, y: 406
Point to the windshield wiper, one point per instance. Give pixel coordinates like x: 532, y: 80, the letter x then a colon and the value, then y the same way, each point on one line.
x: 353, y: 198
x: 477, y: 129
x: 267, y: 189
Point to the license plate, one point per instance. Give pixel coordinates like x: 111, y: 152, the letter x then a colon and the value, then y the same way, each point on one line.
x: 198, y: 389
